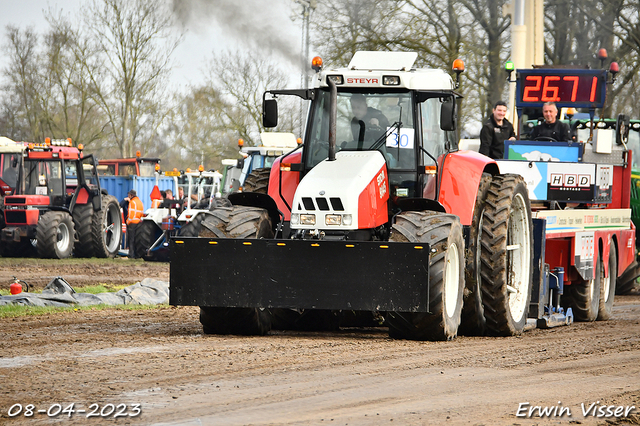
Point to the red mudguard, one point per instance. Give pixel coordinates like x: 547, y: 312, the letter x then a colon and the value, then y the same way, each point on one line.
x: 461, y: 174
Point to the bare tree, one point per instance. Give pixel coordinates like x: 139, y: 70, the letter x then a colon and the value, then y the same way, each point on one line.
x: 136, y: 42
x: 198, y: 129
x: 23, y: 110
x: 241, y: 79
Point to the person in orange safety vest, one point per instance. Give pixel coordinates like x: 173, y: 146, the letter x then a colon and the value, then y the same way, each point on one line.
x: 136, y: 209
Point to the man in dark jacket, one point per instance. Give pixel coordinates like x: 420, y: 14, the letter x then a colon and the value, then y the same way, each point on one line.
x: 495, y: 131
x: 550, y: 127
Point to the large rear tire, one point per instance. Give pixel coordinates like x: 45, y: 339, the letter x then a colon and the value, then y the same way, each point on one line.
x: 82, y: 220
x: 107, y: 228
x: 473, y: 322
x: 145, y: 237
x: 443, y: 233
x: 236, y: 222
x: 55, y: 235
x: 608, y: 286
x: 507, y: 256
x: 257, y: 181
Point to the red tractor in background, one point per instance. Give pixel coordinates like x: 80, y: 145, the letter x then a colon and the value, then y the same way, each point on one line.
x: 58, y: 208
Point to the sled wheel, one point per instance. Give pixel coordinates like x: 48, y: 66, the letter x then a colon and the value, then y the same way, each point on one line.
x: 608, y: 286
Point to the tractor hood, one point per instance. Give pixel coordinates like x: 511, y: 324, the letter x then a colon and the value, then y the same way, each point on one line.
x: 346, y: 194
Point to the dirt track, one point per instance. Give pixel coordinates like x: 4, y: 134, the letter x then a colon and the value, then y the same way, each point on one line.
x: 159, y: 359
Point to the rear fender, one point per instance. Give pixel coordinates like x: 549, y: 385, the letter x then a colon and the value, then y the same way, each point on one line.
x: 287, y: 188
x: 460, y: 178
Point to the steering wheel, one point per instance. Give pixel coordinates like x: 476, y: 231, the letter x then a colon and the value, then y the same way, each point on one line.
x: 545, y: 138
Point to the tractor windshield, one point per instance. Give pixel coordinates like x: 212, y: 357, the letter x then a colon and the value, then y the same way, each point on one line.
x: 365, y: 121
x: 44, y: 178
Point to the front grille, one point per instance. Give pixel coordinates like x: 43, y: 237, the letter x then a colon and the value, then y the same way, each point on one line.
x: 17, y: 217
x: 323, y: 205
x: 15, y: 200
x: 308, y: 204
x: 336, y: 203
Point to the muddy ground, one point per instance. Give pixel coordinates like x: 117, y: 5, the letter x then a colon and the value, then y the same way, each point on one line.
x: 160, y: 360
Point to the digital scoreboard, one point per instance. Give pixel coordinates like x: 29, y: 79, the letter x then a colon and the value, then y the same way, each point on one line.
x: 580, y: 88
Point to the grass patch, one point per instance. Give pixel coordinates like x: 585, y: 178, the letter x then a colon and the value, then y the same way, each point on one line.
x: 93, y: 289
x: 12, y: 311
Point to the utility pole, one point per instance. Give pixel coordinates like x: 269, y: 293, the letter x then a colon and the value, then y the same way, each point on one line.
x: 307, y: 7
x: 527, y: 40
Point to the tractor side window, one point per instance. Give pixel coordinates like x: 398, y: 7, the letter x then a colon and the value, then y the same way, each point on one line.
x: 268, y: 161
x: 433, y: 137
x: 108, y: 170
x: 146, y: 169
x: 127, y: 170
x: 10, y: 169
x: 71, y: 176
x: 256, y: 162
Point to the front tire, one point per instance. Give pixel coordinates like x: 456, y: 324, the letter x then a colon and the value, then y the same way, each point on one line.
x: 55, y: 235
x: 507, y: 256
x: 107, y: 228
x: 443, y: 233
x: 236, y: 222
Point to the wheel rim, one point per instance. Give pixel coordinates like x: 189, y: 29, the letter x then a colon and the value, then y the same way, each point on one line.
x: 606, y: 283
x: 451, y: 280
x: 62, y: 241
x: 112, y: 229
x: 518, y: 257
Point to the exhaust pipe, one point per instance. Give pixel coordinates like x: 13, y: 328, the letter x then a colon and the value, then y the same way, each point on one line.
x: 333, y: 105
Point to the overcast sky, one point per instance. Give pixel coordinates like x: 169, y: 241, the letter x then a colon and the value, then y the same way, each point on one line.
x: 211, y: 25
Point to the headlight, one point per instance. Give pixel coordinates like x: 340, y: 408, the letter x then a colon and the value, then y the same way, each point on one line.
x: 332, y: 219
x: 307, y: 219
x: 347, y: 219
x: 295, y: 218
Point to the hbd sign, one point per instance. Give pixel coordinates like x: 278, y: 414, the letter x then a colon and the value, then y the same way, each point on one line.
x: 570, y: 180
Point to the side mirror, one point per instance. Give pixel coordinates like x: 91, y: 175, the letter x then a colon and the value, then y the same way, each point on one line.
x: 622, y: 129
x: 448, y: 114
x: 269, y: 113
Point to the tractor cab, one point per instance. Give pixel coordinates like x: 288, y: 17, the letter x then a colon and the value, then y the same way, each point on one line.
x: 383, y: 107
x: 52, y: 170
